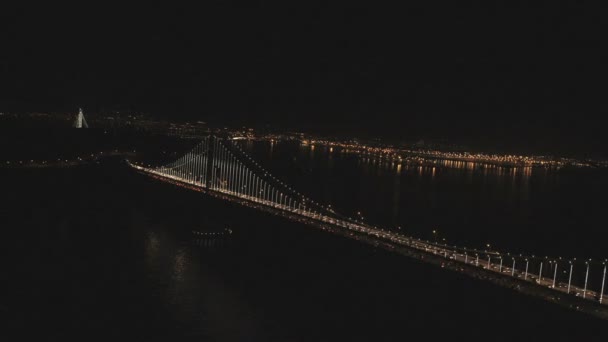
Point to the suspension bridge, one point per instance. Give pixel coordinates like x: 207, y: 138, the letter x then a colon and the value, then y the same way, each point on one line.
x: 220, y: 168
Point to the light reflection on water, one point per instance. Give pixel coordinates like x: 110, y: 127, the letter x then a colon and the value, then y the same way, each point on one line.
x: 152, y: 246
x: 122, y: 260
x: 180, y: 260
x: 469, y: 202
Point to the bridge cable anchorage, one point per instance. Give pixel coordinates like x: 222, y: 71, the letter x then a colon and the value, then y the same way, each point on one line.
x: 221, y: 168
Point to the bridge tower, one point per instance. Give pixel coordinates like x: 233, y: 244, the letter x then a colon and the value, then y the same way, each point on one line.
x: 80, y: 121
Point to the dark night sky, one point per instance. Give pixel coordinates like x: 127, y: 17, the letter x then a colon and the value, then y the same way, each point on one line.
x: 498, y: 73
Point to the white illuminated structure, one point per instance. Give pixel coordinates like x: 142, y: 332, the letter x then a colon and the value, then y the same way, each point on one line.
x: 80, y: 121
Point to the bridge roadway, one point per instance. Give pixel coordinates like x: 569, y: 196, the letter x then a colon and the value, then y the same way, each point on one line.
x: 492, y: 263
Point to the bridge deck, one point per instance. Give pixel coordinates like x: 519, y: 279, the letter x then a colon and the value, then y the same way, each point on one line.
x: 492, y: 265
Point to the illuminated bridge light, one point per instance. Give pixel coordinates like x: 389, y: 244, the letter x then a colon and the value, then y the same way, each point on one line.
x: 216, y: 167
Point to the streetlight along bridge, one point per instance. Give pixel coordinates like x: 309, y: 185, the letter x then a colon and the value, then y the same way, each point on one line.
x: 220, y: 168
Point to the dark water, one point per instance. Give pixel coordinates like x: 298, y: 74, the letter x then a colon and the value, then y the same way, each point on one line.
x: 98, y: 252
x: 530, y: 211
